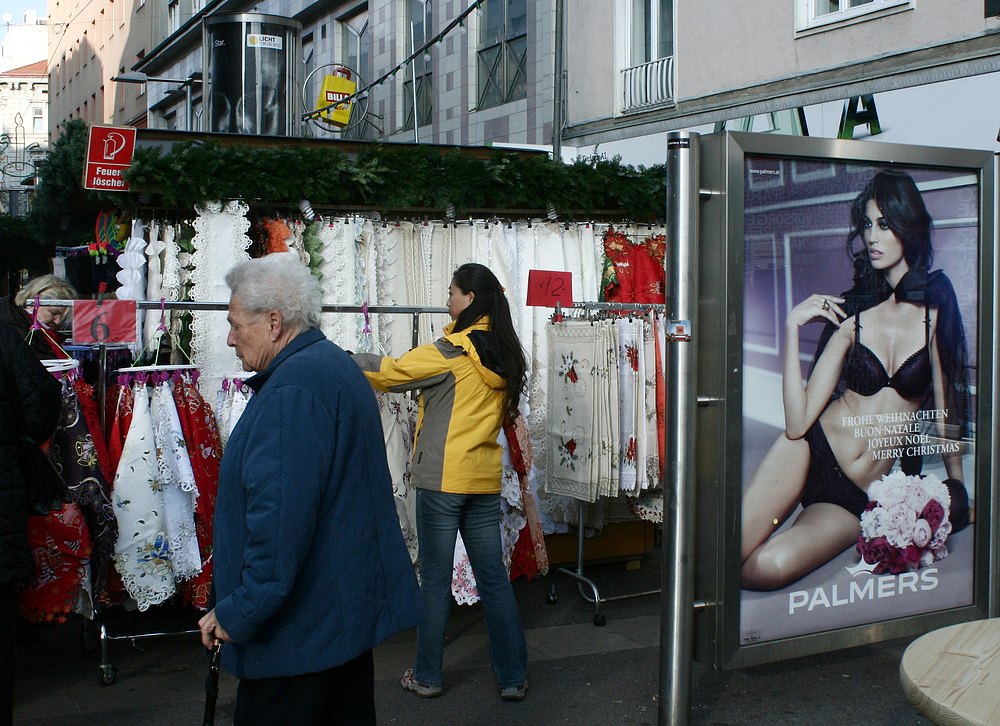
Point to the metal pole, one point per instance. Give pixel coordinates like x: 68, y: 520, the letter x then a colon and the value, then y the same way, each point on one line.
x: 413, y: 65
x: 102, y: 388
x: 557, y: 89
x: 677, y: 619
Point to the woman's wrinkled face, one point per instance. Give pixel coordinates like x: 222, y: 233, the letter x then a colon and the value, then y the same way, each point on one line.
x: 458, y: 300
x: 885, y: 249
x: 250, y: 335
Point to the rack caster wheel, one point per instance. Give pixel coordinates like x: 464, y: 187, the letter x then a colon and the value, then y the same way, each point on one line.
x: 109, y: 674
x: 600, y: 620
x: 551, y: 598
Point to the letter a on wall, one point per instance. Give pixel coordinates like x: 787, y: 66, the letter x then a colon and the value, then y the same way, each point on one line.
x: 866, y: 116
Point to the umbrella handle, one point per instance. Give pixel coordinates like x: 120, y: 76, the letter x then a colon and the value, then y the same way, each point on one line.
x: 212, y: 685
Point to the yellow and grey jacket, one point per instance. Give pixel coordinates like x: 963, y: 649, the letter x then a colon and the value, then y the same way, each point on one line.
x: 461, y: 385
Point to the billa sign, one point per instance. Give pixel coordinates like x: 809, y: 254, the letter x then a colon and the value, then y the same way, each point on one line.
x: 109, y: 153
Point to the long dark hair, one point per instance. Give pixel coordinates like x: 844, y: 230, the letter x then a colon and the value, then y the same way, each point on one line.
x: 898, y: 199
x: 901, y: 205
x: 489, y: 300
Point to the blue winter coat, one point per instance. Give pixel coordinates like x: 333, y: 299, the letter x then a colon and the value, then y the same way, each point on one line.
x: 310, y: 566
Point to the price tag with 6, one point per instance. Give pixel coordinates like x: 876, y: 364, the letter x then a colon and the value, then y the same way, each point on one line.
x: 113, y: 321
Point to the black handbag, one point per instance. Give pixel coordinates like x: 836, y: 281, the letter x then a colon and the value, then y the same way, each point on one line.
x: 47, y: 490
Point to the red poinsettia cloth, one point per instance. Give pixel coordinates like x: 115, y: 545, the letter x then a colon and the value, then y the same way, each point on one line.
x: 529, y: 556
x: 60, y: 547
x: 201, y: 436
x: 633, y: 273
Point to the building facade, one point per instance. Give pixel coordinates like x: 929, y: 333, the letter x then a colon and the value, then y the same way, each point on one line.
x: 628, y: 68
x: 24, y: 141
x: 89, y: 44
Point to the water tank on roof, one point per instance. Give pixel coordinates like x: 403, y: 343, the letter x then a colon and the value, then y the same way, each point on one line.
x: 252, y: 66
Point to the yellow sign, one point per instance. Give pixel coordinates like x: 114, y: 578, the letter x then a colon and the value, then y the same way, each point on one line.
x: 335, y: 88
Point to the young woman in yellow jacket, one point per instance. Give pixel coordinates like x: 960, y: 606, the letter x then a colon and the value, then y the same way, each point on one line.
x: 468, y: 381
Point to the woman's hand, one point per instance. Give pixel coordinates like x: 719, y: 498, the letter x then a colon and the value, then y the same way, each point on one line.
x: 211, y: 631
x: 816, y: 306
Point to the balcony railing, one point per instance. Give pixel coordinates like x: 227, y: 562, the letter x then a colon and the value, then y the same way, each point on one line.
x: 648, y: 85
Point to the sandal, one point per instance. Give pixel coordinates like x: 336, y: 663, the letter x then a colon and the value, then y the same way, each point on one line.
x: 412, y: 684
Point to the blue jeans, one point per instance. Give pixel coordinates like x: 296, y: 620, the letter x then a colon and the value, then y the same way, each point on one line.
x: 477, y: 516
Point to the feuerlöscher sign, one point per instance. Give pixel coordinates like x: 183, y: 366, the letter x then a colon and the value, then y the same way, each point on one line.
x: 109, y: 153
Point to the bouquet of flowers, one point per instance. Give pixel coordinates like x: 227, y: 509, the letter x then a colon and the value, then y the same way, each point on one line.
x: 905, y: 525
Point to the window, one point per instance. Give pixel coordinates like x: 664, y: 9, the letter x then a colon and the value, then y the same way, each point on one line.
x: 354, y: 43
x: 173, y: 16
x: 818, y: 13
x: 652, y: 32
x: 37, y: 120
x: 503, y: 51
x: 418, y: 20
x: 648, y: 54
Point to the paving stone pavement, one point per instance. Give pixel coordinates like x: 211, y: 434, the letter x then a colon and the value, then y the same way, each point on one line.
x: 578, y: 673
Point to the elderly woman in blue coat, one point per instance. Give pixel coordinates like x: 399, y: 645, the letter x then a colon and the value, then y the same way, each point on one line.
x: 311, y: 571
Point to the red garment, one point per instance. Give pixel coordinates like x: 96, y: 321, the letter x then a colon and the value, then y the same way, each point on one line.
x: 85, y: 394
x: 529, y: 556
x: 201, y: 436
x: 661, y: 394
x: 633, y: 273
x: 121, y: 418
x: 60, y: 546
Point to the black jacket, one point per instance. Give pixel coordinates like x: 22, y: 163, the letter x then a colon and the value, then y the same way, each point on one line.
x: 21, y: 320
x: 23, y: 382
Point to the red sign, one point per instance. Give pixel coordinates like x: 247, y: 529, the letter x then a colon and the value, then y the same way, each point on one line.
x: 547, y: 287
x: 109, y: 153
x: 113, y: 321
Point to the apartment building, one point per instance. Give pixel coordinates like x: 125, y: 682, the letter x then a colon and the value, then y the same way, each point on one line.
x: 24, y: 116
x: 629, y: 68
x: 91, y: 42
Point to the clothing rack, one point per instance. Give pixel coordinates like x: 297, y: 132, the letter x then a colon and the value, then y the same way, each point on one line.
x: 599, y: 618
x: 109, y: 673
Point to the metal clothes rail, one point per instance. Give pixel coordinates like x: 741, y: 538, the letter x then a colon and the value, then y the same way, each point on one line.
x: 599, y: 618
x: 109, y: 673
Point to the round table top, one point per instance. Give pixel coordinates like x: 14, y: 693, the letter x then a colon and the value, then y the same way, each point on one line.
x: 952, y: 675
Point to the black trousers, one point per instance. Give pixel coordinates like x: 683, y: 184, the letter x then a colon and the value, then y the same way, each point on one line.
x: 6, y: 654
x: 341, y: 696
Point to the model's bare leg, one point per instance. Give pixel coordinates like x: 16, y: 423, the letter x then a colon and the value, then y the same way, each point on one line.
x: 818, y: 535
x: 774, y: 491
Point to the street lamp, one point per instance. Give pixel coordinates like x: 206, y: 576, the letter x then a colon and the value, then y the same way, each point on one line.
x: 186, y: 83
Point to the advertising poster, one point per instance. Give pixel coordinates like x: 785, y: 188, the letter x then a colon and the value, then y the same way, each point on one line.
x: 859, y: 406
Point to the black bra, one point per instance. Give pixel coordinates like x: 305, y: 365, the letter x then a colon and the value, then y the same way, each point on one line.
x: 865, y: 374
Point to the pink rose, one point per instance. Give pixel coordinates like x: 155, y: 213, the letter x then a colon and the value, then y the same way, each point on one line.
x: 921, y: 533
x: 933, y: 512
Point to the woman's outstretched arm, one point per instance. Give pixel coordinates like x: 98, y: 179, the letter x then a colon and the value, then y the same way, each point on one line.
x: 804, y: 403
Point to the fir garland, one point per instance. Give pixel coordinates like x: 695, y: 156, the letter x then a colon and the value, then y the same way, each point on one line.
x: 382, y: 177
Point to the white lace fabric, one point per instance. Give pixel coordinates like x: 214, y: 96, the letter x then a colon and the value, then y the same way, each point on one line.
x: 220, y: 242
x: 180, y: 493
x: 142, y: 552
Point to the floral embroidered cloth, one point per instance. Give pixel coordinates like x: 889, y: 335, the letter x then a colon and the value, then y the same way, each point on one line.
x: 61, y: 542
x: 583, y: 422
x: 142, y: 554
x: 176, y: 482
x: 399, y: 420
x: 201, y: 436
